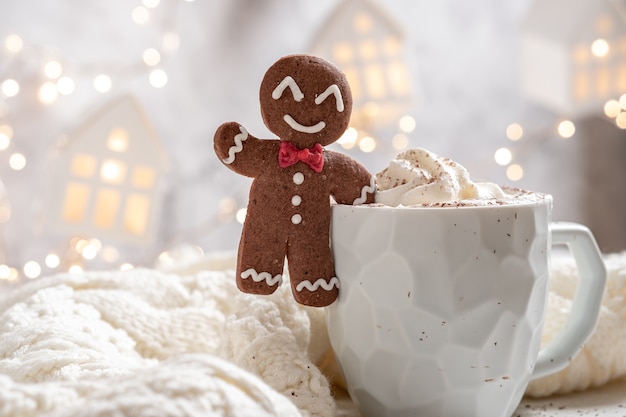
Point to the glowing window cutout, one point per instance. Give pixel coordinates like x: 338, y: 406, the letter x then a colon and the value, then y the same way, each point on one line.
x: 107, y: 206
x: 375, y: 81
x: 113, y: 171
x: 118, y: 140
x: 83, y: 166
x: 143, y: 177
x: 343, y: 52
x: 581, y: 85
x: 136, y: 214
x: 75, y: 203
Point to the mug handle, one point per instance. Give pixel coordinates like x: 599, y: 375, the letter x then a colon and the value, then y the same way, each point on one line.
x: 585, y: 307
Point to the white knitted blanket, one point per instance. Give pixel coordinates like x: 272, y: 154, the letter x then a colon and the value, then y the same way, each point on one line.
x: 188, y: 343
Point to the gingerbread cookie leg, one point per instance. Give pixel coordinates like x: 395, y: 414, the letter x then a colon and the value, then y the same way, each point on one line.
x: 260, y: 261
x: 312, y: 272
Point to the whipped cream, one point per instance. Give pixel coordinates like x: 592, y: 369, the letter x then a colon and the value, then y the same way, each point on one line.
x: 418, y: 177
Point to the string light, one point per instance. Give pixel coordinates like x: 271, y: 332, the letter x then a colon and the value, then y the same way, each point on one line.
x: 53, y: 70
x: 514, y: 172
x: 566, y: 129
x: 158, y: 78
x: 6, y: 133
x: 503, y: 156
x: 367, y: 144
x: 52, y: 260
x: 140, y: 15
x: 514, y: 131
x: 620, y: 120
x: 407, y: 124
x: 48, y: 93
x: 241, y: 215
x: 65, y: 86
x: 349, y: 138
x: 600, y: 48
x: 10, y: 87
x: 151, y: 57
x: 400, y: 141
x: 13, y: 43
x: 612, y: 108
x: 32, y: 269
x: 17, y: 161
x: 102, y: 83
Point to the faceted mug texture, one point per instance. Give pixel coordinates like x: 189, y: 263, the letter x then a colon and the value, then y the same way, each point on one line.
x: 440, y: 310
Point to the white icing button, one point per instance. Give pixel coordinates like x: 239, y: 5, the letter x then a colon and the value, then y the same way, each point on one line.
x: 296, y: 200
x: 296, y: 219
x: 298, y: 178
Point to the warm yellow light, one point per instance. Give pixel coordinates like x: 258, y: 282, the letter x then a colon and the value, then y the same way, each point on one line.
x: 118, y: 140
x: 10, y: 87
x: 65, y: 85
x: 52, y: 260
x: 7, y: 273
x: 170, y: 41
x: 600, y: 48
x: 158, y: 78
x: 371, y: 109
x: 32, y: 269
x: 126, y: 266
x: 53, y: 70
x: 566, y: 129
x: 140, y: 15
x: 400, y: 141
x: 151, y: 57
x: 112, y: 171
x: 75, y: 269
x: 612, y: 108
x: 6, y: 133
x: 48, y: 93
x: 13, y: 43
x: 110, y: 254
x: 363, y: 22
x: 349, y: 138
x: 5, y: 213
x: 17, y: 161
x: 151, y: 4
x: 620, y: 120
x: 241, y: 215
x: 514, y: 131
x: 102, y: 83
x: 503, y: 156
x: 367, y: 144
x: 622, y: 101
x: 407, y: 124
x: 514, y: 172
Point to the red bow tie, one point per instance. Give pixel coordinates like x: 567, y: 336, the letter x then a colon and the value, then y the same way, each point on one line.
x: 289, y: 154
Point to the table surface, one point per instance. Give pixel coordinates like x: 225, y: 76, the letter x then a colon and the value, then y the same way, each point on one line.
x: 606, y: 401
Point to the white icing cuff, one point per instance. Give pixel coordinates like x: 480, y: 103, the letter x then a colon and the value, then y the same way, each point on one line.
x: 334, y: 282
x: 364, y: 191
x: 262, y: 276
x: 237, y: 147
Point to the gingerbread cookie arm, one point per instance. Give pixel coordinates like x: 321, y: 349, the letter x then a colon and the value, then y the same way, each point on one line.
x: 242, y: 152
x: 351, y: 182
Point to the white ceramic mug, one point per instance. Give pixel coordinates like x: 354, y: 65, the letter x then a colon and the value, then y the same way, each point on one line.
x: 441, y: 309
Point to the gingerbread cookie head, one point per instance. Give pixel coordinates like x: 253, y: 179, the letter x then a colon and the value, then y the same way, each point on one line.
x: 305, y: 100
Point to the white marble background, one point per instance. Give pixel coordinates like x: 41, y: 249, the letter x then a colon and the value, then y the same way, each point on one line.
x: 467, y: 56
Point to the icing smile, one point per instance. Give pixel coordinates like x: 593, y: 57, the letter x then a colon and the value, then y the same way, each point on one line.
x: 302, y: 128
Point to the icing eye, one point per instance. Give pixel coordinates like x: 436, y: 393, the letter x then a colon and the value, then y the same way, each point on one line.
x: 290, y: 83
x: 334, y: 90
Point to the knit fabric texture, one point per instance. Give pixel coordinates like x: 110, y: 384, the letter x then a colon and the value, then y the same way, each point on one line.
x: 186, y: 342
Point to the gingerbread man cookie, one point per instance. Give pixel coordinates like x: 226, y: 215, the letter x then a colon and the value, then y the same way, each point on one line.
x: 306, y: 102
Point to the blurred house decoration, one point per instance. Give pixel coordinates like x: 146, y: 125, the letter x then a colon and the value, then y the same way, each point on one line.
x: 109, y: 179
x: 573, y: 54
x: 370, y: 48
